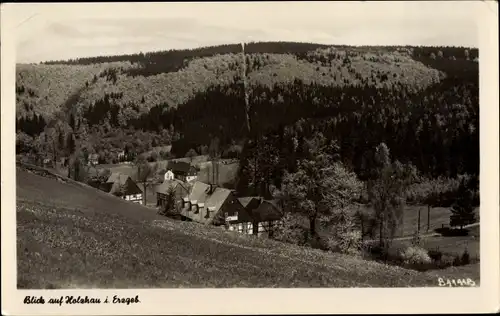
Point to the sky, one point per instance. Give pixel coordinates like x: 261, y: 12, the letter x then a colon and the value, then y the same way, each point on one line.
x: 62, y: 31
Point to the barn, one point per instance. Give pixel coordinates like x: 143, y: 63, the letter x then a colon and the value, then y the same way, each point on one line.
x: 123, y: 186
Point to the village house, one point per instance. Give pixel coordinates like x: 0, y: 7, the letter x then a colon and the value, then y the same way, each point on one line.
x: 123, y: 186
x: 268, y: 215
x: 264, y: 215
x: 210, y: 204
x: 183, y: 171
x: 250, y: 202
x: 169, y: 175
x: 121, y: 155
x: 180, y: 189
x: 93, y: 160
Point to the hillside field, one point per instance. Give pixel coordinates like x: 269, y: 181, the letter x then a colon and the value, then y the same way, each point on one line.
x: 439, y: 216
x: 74, y: 236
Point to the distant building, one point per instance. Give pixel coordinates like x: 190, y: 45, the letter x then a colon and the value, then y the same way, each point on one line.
x: 180, y: 188
x: 93, y: 160
x: 121, y: 155
x: 264, y: 215
x: 63, y: 161
x: 210, y: 204
x: 183, y: 171
x: 250, y: 202
x: 169, y: 175
x: 123, y: 186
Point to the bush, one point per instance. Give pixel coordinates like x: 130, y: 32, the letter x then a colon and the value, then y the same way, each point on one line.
x: 465, y: 257
x: 415, y: 241
x: 347, y: 238
x: 290, y: 231
x: 415, y: 255
x: 316, y: 242
x: 446, y: 261
x: 349, y: 242
x: 452, y: 232
x: 435, y: 255
x: 154, y: 156
x: 373, y: 250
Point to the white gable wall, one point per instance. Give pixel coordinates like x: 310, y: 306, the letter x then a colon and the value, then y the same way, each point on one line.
x: 169, y: 175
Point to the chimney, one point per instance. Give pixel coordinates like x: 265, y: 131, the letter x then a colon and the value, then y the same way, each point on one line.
x: 209, y: 210
x: 200, y: 208
x: 212, y: 188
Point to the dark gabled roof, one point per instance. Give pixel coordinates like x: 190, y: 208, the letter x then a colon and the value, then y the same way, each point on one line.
x: 181, y: 167
x: 118, y: 180
x: 268, y: 210
x: 206, y: 199
x: 117, y: 177
x: 164, y: 187
x: 250, y: 202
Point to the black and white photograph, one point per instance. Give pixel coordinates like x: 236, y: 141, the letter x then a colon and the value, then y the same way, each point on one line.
x: 264, y: 145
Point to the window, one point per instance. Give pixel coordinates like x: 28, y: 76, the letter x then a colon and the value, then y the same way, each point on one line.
x: 248, y: 228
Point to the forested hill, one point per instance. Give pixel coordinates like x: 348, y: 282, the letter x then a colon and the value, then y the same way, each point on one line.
x: 421, y: 101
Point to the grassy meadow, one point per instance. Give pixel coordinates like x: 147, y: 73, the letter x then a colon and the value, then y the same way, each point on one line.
x: 73, y: 236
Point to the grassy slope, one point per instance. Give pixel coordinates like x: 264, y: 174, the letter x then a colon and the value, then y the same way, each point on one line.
x: 73, y: 236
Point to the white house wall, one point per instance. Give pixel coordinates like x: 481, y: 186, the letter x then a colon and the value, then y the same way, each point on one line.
x: 190, y: 178
x: 136, y: 198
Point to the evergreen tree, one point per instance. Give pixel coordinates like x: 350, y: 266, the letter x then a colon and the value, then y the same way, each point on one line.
x: 72, y: 122
x: 170, y: 207
x: 463, y: 212
x: 71, y: 145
